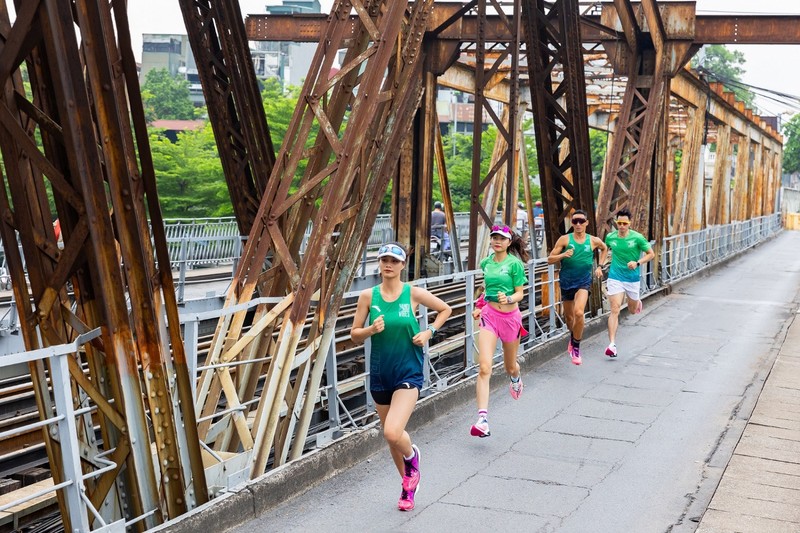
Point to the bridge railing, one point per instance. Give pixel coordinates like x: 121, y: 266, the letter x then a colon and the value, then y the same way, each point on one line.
x: 683, y: 255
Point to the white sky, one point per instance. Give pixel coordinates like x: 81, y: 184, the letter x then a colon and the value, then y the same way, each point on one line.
x: 769, y: 66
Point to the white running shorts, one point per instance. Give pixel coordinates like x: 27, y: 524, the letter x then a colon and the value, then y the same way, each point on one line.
x: 615, y: 286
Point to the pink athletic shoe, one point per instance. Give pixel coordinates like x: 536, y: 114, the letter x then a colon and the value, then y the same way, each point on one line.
x: 576, y: 355
x: 406, y: 501
x: 411, y: 477
x: 611, y: 351
x: 480, y: 428
x: 516, y: 388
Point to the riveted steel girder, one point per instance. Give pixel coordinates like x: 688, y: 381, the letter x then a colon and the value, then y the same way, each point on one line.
x: 85, y: 105
x: 710, y: 29
x: 504, y: 165
x: 222, y: 54
x: 359, y: 116
x: 627, y: 182
x: 562, y: 131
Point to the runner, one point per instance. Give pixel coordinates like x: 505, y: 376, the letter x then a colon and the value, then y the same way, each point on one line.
x: 504, y: 279
x: 396, y: 357
x: 626, y: 248
x: 575, y: 251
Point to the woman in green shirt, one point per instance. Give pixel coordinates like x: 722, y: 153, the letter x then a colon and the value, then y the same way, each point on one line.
x: 504, y: 279
x: 396, y: 357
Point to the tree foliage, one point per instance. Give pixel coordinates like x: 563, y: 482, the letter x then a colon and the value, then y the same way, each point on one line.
x: 166, y: 97
x: 791, y: 151
x: 726, y: 66
x: 458, y: 161
x: 189, y: 175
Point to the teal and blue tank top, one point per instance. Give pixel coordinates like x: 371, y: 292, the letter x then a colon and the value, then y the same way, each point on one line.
x: 394, y: 359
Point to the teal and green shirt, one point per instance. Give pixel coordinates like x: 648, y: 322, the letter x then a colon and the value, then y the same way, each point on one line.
x: 576, y: 271
x: 502, y: 276
x: 394, y: 359
x: 623, y: 251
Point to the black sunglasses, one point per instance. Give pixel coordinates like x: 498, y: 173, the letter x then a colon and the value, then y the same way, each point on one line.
x: 579, y: 221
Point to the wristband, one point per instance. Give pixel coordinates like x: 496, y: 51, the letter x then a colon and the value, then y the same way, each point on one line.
x: 432, y: 329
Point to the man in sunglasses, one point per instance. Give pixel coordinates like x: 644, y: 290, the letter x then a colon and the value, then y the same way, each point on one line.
x: 627, y: 247
x: 575, y: 251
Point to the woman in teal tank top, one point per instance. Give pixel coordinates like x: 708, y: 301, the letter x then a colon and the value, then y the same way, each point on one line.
x: 575, y: 252
x: 387, y: 314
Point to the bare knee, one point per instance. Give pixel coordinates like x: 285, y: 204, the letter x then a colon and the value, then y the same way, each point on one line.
x: 393, y: 435
x: 485, y: 367
x: 577, y: 317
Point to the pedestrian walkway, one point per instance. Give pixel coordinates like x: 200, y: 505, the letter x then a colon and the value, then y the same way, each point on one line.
x: 637, y: 443
x: 760, y: 489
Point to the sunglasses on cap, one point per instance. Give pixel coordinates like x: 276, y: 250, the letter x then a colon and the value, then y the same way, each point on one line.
x: 392, y: 250
x: 579, y: 221
x: 504, y: 229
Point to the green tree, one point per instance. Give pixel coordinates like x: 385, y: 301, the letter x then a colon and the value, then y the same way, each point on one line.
x: 598, y: 150
x: 279, y: 107
x: 166, y: 97
x: 725, y: 66
x: 189, y: 175
x: 791, y: 152
x: 458, y: 160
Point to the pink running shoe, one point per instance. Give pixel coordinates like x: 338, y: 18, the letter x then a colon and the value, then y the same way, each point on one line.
x: 576, y: 355
x: 480, y: 428
x: 406, y: 501
x: 516, y: 388
x: 570, y: 348
x: 411, y: 477
x: 611, y: 351
x: 639, y: 306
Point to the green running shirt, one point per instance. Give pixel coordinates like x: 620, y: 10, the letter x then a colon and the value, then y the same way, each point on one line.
x: 503, y: 276
x: 623, y: 251
x: 394, y: 359
x: 576, y: 271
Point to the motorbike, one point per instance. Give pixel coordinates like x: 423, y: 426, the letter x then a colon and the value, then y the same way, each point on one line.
x: 440, y: 247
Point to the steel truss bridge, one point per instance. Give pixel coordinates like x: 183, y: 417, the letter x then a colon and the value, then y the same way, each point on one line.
x: 131, y: 437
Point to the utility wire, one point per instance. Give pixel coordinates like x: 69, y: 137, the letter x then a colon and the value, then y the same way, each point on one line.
x: 786, y: 99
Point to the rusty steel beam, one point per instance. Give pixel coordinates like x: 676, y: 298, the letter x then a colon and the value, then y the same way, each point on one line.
x: 747, y: 29
x: 561, y: 122
x: 94, y: 157
x: 216, y: 34
x: 628, y: 181
x: 485, y: 189
x: 709, y: 29
x: 340, y: 176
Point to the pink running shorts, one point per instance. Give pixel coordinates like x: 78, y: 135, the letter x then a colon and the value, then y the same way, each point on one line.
x: 506, y: 325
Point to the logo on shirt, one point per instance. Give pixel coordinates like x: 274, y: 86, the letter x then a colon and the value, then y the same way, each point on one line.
x: 631, y: 244
x: 587, y: 248
x: 405, y: 310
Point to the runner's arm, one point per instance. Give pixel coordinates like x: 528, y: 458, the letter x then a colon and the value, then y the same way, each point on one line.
x: 555, y: 254
x: 359, y: 332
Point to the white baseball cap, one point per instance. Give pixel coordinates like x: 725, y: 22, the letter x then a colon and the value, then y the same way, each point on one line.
x: 505, y: 231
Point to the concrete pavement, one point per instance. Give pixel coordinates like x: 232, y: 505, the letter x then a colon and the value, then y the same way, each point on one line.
x: 760, y: 489
x: 638, y: 443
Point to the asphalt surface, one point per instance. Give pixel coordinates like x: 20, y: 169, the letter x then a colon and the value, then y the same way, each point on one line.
x: 637, y: 443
